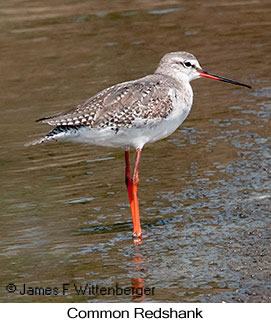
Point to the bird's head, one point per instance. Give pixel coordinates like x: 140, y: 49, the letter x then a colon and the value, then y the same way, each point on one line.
x: 184, y: 66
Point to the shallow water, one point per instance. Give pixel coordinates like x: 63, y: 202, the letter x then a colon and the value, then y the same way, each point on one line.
x: 204, y: 191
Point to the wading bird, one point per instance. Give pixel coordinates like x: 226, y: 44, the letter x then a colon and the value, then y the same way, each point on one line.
x: 134, y: 113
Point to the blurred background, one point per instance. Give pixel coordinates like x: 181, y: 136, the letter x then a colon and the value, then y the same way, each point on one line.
x: 204, y: 192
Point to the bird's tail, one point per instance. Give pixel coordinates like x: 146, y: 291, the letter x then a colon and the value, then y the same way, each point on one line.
x: 39, y: 141
x: 58, y: 133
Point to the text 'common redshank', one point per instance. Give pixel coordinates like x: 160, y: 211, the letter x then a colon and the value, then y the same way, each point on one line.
x: 134, y: 113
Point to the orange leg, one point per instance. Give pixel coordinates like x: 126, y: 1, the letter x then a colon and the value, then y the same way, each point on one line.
x: 137, y: 227
x: 128, y: 181
x: 132, y: 185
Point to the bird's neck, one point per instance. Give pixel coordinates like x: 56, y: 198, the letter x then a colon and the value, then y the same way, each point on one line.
x: 176, y: 74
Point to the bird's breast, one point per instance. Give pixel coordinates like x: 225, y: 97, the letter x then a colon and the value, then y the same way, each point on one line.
x: 182, y: 99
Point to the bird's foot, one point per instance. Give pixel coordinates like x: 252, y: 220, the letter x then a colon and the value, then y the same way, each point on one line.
x: 137, y: 238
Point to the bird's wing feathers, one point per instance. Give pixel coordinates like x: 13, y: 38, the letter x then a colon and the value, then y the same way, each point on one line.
x: 119, y: 106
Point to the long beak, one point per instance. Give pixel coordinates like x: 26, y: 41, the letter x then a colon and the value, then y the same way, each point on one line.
x: 220, y: 78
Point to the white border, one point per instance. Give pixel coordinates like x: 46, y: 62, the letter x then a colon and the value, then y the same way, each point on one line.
x: 211, y: 313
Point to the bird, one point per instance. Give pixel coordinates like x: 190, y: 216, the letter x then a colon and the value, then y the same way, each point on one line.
x: 132, y: 114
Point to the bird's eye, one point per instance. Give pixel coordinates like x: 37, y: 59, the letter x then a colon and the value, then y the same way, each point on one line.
x: 187, y: 64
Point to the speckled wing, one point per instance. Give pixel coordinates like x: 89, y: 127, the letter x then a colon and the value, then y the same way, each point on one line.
x: 120, y: 106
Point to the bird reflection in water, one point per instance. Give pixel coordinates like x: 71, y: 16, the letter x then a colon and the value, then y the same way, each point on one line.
x: 138, y: 286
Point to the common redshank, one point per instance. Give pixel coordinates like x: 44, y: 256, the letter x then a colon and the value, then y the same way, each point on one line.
x: 134, y: 113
